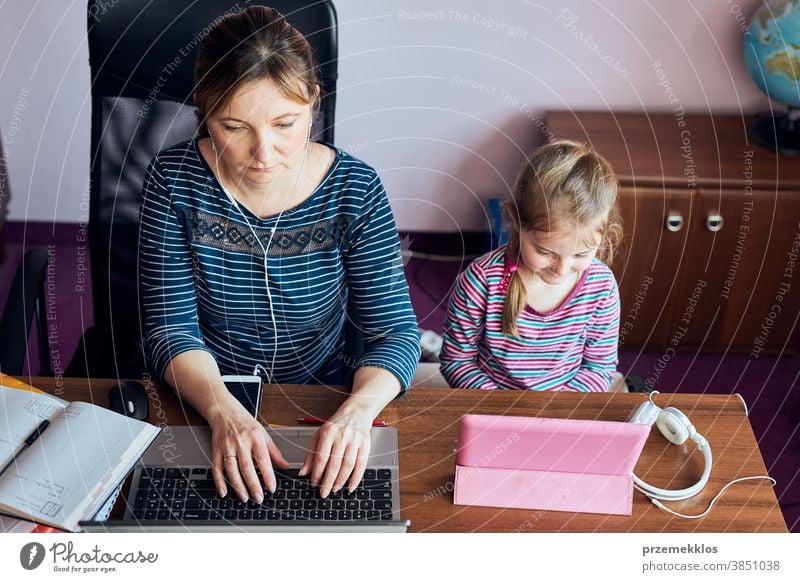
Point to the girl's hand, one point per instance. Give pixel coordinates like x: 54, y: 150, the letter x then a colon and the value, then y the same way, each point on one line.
x: 340, y: 449
x: 239, y: 444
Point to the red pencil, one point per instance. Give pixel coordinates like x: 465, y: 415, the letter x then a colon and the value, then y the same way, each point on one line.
x: 317, y: 420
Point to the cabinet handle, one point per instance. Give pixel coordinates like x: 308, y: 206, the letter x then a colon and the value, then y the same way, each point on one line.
x: 714, y: 222
x: 673, y: 222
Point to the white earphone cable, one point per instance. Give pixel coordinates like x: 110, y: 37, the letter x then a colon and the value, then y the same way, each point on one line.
x: 660, y: 505
x: 271, y: 373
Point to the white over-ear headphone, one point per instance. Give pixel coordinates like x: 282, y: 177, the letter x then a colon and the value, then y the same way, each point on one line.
x: 677, y: 429
x: 271, y: 372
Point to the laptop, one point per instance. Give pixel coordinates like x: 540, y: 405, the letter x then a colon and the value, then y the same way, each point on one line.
x: 172, y: 490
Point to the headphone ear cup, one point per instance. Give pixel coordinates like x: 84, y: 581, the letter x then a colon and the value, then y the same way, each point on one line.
x: 674, y: 425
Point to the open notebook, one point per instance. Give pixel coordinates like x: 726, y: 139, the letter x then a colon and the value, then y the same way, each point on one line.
x: 61, y: 461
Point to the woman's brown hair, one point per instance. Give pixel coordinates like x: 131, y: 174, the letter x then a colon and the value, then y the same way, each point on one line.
x: 254, y: 44
x: 562, y: 185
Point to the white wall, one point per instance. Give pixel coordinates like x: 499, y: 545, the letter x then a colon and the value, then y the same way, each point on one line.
x: 443, y: 106
x: 44, y: 107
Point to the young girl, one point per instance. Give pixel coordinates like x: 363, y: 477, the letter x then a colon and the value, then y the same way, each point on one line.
x: 542, y: 312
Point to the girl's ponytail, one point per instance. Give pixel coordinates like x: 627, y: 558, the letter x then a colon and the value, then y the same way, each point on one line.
x: 516, y: 294
x: 515, y: 301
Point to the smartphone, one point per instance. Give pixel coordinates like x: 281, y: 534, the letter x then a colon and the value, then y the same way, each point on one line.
x: 247, y: 390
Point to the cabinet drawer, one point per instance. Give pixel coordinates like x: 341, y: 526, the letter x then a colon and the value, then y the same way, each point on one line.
x: 650, y: 265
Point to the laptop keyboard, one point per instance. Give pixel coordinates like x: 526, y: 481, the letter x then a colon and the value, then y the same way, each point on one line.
x: 189, y: 494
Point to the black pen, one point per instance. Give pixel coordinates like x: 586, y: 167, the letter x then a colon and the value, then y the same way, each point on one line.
x: 28, y: 442
x: 37, y: 433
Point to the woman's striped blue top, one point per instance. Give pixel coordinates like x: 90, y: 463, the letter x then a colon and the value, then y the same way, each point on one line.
x: 203, y: 276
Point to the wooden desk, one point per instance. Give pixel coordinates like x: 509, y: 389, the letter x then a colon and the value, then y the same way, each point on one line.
x: 427, y: 422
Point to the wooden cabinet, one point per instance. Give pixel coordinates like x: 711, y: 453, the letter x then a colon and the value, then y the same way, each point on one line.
x: 711, y: 257
x: 649, y: 262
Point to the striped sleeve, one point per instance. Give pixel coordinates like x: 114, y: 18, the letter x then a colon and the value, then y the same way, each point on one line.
x: 165, y: 277
x: 600, y: 356
x: 379, y: 291
x: 464, y: 327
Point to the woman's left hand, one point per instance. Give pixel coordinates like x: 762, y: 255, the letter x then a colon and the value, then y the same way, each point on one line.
x: 340, y: 449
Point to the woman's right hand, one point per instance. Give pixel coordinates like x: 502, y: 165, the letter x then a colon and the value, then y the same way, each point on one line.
x: 239, y: 444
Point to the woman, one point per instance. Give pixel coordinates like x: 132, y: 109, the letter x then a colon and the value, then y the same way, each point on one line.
x: 253, y: 240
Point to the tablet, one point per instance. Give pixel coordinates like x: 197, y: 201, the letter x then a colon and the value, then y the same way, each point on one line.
x: 550, y: 444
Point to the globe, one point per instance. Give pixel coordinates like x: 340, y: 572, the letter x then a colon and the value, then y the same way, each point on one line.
x: 772, y: 55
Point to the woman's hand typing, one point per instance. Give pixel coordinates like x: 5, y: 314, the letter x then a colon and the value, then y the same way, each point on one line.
x: 339, y: 450
x: 240, y: 444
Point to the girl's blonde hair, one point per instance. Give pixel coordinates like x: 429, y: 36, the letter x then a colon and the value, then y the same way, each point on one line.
x: 563, y: 185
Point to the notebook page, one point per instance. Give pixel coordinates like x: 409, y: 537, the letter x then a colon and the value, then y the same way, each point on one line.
x: 68, y: 473
x: 21, y: 412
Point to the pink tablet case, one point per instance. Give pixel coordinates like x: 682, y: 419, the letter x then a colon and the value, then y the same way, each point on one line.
x: 549, y: 464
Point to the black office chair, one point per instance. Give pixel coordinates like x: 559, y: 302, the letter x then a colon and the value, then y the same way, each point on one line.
x: 26, y: 300
x: 142, y: 55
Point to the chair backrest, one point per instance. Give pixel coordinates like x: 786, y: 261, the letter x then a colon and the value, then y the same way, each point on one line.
x: 142, y: 55
x: 26, y: 299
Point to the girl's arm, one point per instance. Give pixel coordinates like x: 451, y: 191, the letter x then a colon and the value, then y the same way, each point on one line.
x: 463, y: 330
x: 600, y: 351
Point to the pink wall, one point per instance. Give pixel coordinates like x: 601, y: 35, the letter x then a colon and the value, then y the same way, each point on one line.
x: 446, y: 106
x: 442, y: 97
